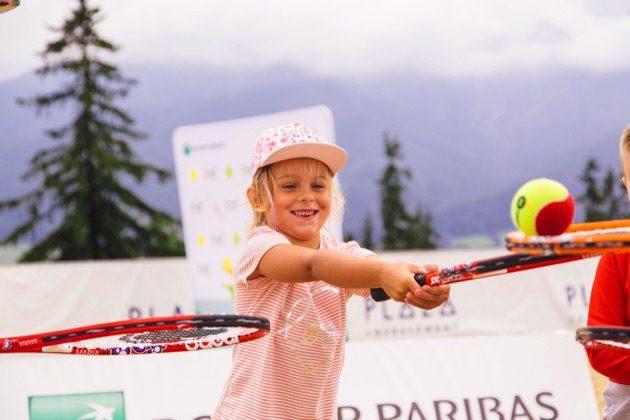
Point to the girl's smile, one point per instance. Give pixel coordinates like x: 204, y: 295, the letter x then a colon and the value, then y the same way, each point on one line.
x: 306, y: 214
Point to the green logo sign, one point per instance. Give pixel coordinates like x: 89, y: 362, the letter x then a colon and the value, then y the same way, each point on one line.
x: 93, y: 406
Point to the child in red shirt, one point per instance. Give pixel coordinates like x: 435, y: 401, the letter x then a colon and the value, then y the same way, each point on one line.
x: 610, y: 305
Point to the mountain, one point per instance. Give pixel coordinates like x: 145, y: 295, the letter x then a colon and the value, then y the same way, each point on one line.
x: 470, y: 143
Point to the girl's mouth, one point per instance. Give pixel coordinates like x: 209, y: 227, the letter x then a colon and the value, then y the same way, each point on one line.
x: 305, y: 213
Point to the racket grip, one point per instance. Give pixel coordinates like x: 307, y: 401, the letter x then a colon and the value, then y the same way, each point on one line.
x: 379, y: 294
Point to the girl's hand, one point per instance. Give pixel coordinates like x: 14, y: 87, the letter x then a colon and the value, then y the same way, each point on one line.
x: 397, y: 278
x: 428, y: 297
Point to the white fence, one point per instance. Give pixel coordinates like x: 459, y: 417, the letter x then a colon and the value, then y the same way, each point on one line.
x: 500, y: 348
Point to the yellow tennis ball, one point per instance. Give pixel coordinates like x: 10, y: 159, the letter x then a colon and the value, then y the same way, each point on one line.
x: 542, y: 207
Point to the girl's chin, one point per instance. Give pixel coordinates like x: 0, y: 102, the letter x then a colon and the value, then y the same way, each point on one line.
x: 303, y: 237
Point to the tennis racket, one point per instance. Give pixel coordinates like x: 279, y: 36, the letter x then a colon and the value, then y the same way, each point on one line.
x: 503, y: 264
x: 143, y: 336
x: 580, y: 238
x: 604, y: 338
x: 5, y: 6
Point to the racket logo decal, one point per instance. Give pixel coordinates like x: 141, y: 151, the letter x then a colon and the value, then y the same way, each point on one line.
x: 27, y: 343
x: 6, y: 345
x: 148, y: 349
x: 209, y: 344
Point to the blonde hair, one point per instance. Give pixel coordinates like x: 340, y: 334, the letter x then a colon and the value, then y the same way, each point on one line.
x: 264, y: 182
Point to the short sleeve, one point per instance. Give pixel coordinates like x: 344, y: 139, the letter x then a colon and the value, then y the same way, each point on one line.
x: 259, y: 241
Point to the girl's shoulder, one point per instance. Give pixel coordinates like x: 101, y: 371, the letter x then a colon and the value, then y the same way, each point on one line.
x: 261, y: 230
x: 262, y: 236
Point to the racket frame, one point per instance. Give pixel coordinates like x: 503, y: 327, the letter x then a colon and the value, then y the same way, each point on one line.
x: 594, y: 238
x: 69, y: 340
x: 611, y: 338
x: 503, y: 264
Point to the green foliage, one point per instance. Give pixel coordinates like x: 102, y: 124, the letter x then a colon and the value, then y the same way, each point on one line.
x: 402, y: 230
x: 81, y: 191
x: 604, y: 198
x: 368, y: 233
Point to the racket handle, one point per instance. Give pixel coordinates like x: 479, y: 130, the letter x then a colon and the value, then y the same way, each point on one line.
x: 379, y: 294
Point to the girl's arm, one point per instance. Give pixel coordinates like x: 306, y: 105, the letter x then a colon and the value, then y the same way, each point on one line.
x: 293, y: 263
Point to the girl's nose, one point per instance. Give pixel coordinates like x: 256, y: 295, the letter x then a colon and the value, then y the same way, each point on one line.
x: 306, y: 195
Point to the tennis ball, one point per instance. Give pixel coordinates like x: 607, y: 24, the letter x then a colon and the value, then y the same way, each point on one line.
x: 542, y: 207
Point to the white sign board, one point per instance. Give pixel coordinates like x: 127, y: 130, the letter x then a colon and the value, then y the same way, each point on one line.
x: 212, y: 163
x: 527, y: 376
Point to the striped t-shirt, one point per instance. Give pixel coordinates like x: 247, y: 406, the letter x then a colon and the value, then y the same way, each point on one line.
x: 293, y: 372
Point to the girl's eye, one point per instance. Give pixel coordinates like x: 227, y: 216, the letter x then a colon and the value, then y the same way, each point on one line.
x: 319, y: 186
x: 288, y: 186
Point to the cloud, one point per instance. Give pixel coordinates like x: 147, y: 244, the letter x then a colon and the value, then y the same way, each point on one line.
x: 346, y: 39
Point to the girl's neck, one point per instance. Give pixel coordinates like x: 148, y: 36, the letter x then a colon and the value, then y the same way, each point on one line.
x: 313, y: 243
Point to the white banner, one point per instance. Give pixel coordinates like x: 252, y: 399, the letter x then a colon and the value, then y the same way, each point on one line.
x: 42, y: 297
x: 544, y: 299
x: 528, y: 376
x: 212, y: 164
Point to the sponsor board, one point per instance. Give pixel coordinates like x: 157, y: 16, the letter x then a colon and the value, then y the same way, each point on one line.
x: 88, y: 406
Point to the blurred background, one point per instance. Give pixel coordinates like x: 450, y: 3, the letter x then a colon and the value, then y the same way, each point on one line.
x: 481, y: 96
x: 446, y: 109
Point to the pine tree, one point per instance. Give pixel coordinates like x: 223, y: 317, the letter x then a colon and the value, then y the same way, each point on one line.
x: 402, y: 230
x: 81, y: 200
x: 368, y: 233
x: 420, y: 234
x: 605, y: 198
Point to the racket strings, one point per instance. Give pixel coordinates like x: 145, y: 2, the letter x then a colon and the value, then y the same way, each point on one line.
x: 190, y: 337
x: 188, y: 334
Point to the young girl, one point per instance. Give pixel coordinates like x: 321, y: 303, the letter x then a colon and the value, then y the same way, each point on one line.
x: 297, y: 275
x: 610, y: 305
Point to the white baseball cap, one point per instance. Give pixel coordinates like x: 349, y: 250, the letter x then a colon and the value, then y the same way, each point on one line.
x: 293, y: 141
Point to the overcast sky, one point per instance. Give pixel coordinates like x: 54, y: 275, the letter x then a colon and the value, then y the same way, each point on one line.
x: 342, y: 38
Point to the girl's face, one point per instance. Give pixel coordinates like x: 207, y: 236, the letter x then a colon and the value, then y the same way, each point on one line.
x: 301, y: 199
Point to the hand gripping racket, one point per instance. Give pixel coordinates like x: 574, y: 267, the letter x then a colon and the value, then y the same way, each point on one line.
x: 604, y: 338
x: 503, y: 264
x: 143, y: 336
x: 579, y: 239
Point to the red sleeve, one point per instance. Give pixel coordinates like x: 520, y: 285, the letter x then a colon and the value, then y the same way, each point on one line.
x: 609, y: 306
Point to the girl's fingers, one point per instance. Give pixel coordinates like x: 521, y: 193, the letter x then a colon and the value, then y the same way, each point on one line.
x: 436, y: 294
